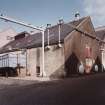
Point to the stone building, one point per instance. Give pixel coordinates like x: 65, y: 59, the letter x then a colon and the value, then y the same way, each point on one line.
x: 100, y: 32
x: 68, y: 49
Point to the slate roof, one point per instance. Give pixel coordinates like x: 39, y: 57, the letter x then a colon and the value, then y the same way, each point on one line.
x: 35, y: 40
x: 100, y: 32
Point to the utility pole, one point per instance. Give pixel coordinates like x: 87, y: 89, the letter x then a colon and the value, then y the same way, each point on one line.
x: 32, y: 27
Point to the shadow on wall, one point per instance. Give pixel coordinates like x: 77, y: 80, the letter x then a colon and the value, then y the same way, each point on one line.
x: 71, y: 65
x: 99, y: 64
x: 59, y: 73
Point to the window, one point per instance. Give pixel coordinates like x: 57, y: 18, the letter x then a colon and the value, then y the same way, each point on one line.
x: 38, y: 71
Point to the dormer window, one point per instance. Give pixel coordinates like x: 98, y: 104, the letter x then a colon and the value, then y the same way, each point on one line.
x: 21, y: 35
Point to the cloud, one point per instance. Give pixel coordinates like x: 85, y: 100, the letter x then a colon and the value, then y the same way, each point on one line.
x: 96, y: 9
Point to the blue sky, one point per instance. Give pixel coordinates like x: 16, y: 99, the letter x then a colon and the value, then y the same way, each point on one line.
x: 41, y: 12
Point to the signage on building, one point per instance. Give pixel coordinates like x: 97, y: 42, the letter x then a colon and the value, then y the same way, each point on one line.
x: 88, y: 58
x: 88, y: 52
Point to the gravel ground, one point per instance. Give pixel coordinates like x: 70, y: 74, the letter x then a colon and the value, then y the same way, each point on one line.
x: 85, y: 90
x: 6, y: 83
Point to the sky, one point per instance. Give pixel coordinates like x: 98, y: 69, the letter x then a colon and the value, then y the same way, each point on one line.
x: 42, y: 12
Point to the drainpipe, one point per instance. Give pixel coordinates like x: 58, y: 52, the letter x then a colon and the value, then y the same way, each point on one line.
x: 59, y: 30
x: 59, y: 33
x: 102, y: 55
x: 102, y: 59
x: 43, y: 63
x: 48, y: 33
x: 26, y: 64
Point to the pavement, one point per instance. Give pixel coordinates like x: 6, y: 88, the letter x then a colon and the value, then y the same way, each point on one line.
x: 31, y: 78
x: 21, y: 81
x: 84, y: 90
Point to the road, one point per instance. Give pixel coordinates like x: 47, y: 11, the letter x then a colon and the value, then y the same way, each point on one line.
x: 85, y: 90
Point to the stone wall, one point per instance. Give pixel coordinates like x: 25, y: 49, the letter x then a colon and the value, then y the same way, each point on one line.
x: 31, y: 61
x: 76, y: 43
x: 55, y: 58
x: 54, y: 61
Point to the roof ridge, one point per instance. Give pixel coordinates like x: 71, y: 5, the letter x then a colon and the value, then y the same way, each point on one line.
x: 70, y: 21
x: 65, y: 31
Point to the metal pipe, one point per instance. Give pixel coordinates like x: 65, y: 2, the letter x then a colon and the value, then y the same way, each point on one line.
x: 8, y: 60
x: 26, y: 64
x: 20, y: 23
x: 17, y: 59
x: 33, y: 27
x: 48, y: 36
x: 43, y: 70
x: 59, y: 33
x: 102, y: 61
x: 59, y: 26
x: 2, y: 60
x: 48, y: 33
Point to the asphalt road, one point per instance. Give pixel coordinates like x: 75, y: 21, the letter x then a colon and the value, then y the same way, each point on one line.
x: 86, y: 90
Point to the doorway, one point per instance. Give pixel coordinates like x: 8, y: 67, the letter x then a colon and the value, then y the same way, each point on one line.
x: 71, y: 65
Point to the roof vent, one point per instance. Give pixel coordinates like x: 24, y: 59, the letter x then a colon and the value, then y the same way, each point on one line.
x: 59, y: 32
x: 61, y: 21
x: 47, y: 47
x: 77, y: 15
x: 21, y: 35
x: 48, y: 41
x: 48, y: 25
x: 59, y: 45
